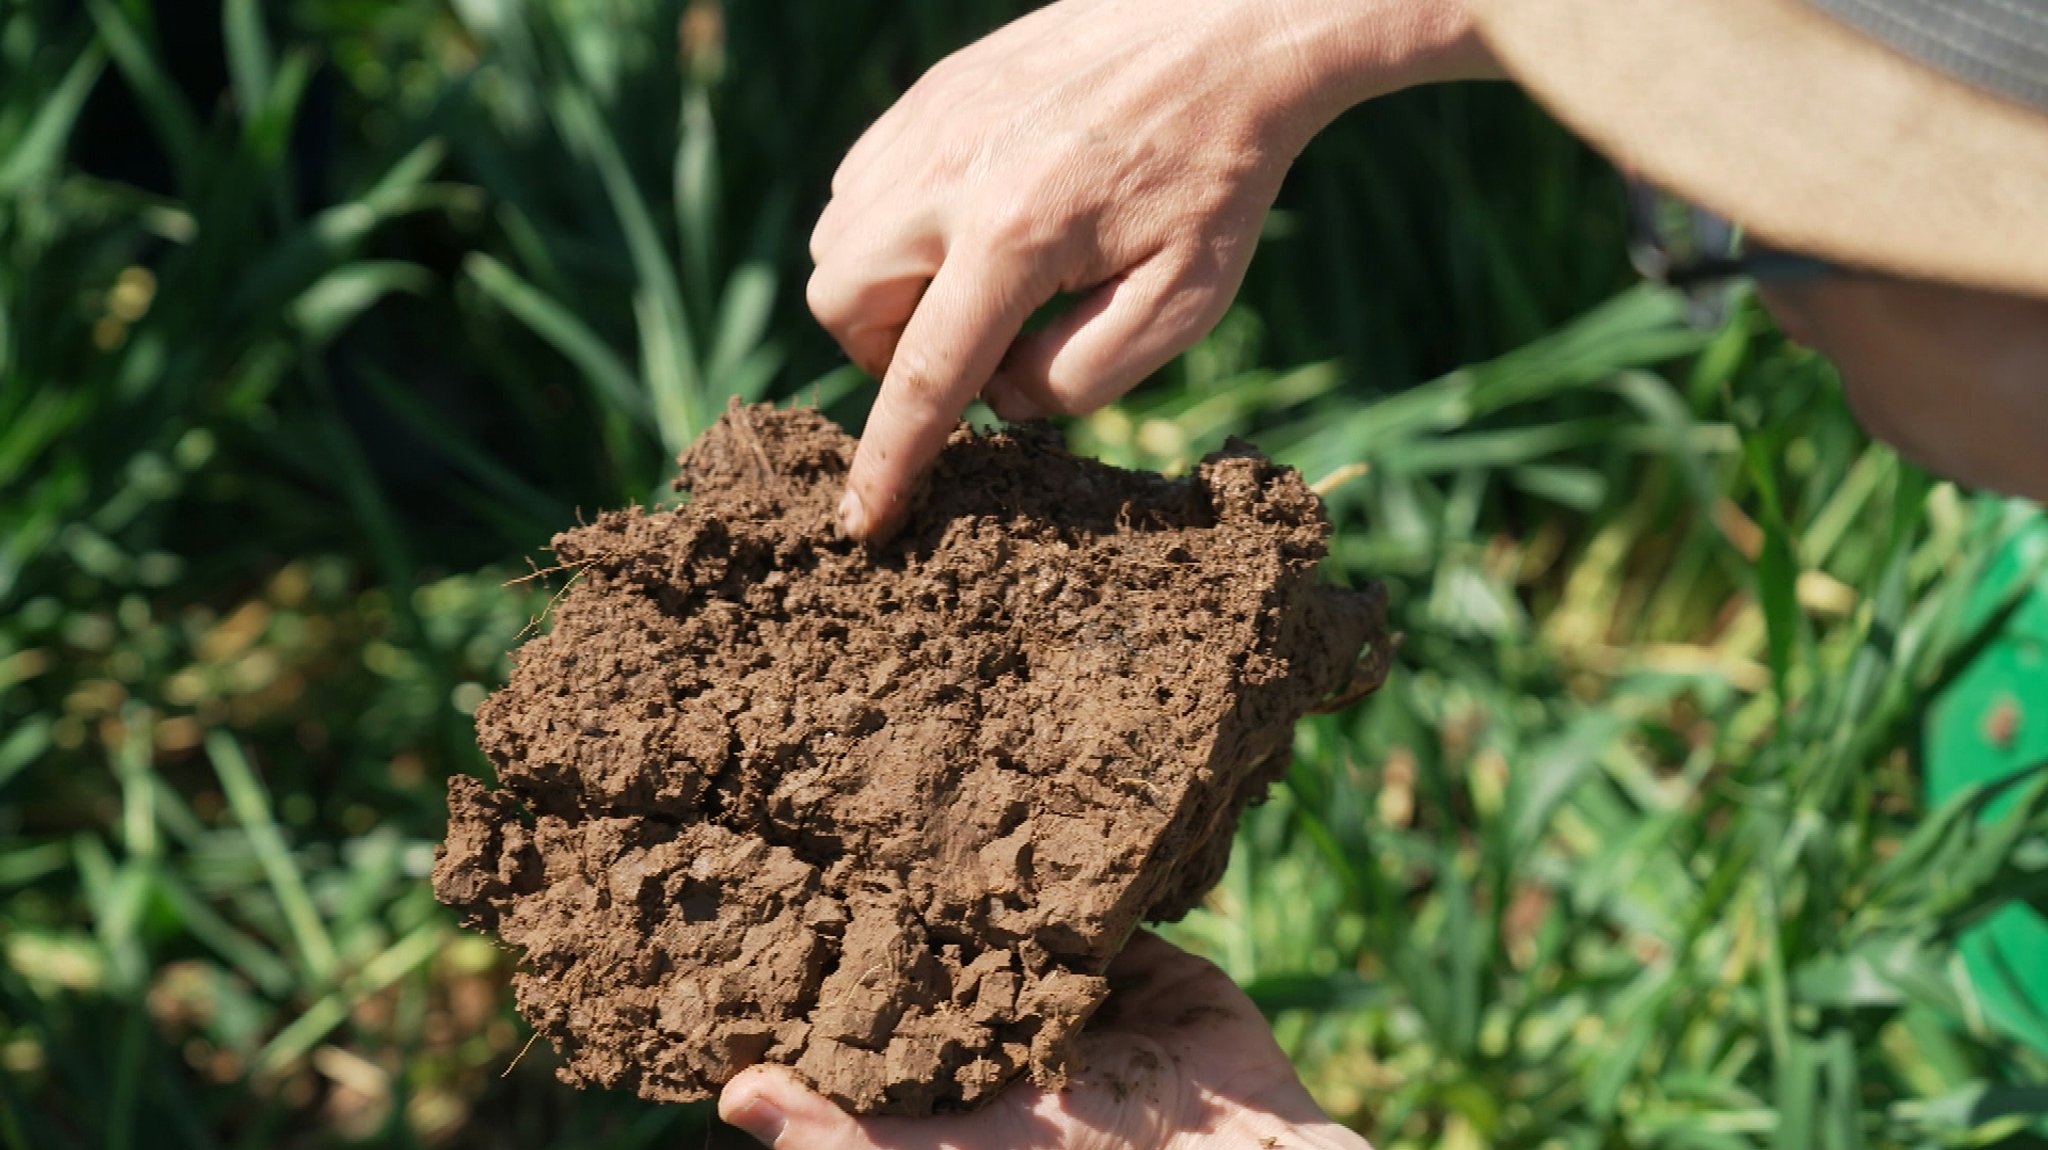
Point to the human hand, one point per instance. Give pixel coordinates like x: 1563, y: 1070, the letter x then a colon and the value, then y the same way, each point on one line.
x: 1125, y: 150
x: 1175, y: 1058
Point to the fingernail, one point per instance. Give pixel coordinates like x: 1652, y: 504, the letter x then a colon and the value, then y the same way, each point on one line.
x: 1005, y: 400
x: 853, y: 515
x: 759, y: 1118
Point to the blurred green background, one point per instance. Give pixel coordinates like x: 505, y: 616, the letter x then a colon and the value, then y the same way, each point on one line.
x: 318, y: 318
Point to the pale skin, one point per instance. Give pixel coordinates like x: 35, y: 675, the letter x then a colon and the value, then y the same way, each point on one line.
x: 1177, y: 1058
x: 1127, y: 151
x: 1955, y: 378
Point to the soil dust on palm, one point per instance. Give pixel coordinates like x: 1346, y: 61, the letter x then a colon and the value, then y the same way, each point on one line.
x: 885, y: 814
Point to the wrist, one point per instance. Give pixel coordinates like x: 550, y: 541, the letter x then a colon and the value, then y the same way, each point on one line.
x: 1342, y: 53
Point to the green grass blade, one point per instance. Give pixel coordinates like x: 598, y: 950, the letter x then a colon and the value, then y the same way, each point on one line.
x: 40, y: 149
x: 544, y: 511
x: 270, y: 974
x: 251, y: 806
x: 338, y: 298
x: 1547, y: 777
x: 743, y: 317
x: 23, y: 746
x: 1777, y: 572
x: 563, y: 330
x: 23, y: 865
x: 176, y: 127
x: 250, y: 58
x: 673, y: 369
x: 297, y: 261
x: 1798, y: 1098
x: 297, y: 1040
x: 1845, y: 1093
x: 697, y: 199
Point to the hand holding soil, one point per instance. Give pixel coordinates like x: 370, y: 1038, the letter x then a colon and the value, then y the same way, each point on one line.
x: 1123, y: 150
x: 884, y: 815
x: 1176, y: 1056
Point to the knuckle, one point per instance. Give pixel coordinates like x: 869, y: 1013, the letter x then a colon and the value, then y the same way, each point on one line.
x: 938, y: 75
x: 920, y: 381
x: 861, y: 155
x: 822, y: 296
x: 1018, y: 223
x: 1056, y: 400
x: 850, y: 165
x: 1195, y: 311
x: 1029, y: 206
x: 1184, y: 312
x: 1068, y: 387
x: 1195, y: 293
x: 821, y: 234
x: 872, y: 351
x: 1040, y: 385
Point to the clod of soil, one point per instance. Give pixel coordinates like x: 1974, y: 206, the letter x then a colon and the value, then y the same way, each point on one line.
x: 884, y: 815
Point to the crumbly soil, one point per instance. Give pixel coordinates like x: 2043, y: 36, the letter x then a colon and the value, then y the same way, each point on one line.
x: 885, y: 814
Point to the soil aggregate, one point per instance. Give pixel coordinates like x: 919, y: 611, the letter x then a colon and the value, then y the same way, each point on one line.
x: 884, y: 814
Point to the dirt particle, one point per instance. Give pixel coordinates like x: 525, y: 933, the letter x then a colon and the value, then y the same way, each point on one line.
x: 2001, y: 726
x: 884, y: 815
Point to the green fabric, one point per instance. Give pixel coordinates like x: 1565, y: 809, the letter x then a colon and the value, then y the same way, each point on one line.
x: 1992, y: 722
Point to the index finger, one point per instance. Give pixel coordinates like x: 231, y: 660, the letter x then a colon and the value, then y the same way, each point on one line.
x: 969, y: 316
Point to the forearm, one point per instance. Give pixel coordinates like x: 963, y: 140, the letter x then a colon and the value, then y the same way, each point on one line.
x: 1341, y: 53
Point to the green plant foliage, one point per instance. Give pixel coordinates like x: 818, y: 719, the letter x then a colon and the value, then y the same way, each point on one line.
x: 317, y: 320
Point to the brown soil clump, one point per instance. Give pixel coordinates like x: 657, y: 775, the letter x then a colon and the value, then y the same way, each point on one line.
x: 884, y: 815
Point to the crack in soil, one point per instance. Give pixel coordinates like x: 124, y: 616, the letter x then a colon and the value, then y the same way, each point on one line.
x: 884, y: 814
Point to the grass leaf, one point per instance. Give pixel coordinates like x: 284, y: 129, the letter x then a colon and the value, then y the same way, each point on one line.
x: 40, y: 148
x: 251, y: 806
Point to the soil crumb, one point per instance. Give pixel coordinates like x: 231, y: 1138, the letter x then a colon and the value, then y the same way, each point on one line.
x: 885, y: 814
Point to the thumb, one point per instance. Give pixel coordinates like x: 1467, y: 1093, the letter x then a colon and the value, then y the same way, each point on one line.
x: 770, y: 1104
x: 1108, y: 343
